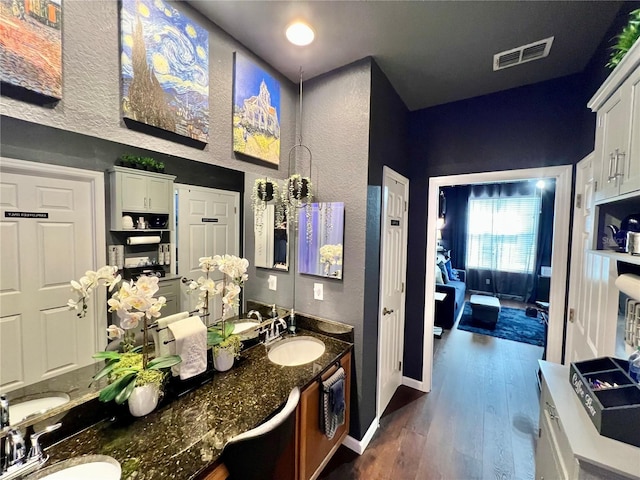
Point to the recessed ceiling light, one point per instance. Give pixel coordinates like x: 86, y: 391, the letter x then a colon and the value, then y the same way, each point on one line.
x: 299, y: 33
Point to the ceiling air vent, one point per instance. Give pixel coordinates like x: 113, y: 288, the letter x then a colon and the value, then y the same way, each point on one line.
x: 523, y: 54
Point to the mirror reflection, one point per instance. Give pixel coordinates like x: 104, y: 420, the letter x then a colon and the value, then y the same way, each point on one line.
x: 271, y: 239
x: 320, y: 239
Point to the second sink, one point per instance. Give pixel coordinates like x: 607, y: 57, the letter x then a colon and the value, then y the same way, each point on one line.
x: 295, y: 351
x: 94, y: 467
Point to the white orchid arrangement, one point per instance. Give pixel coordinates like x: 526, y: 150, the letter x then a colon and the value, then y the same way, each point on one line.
x: 134, y: 302
x: 234, y: 270
x: 106, y: 276
x: 330, y: 255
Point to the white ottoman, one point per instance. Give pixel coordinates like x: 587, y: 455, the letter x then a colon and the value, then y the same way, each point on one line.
x: 485, y: 310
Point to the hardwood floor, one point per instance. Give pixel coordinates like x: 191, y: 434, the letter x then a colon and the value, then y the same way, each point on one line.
x: 480, y: 421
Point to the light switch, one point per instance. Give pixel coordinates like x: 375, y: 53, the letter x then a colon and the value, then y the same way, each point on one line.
x: 317, y: 291
x: 273, y: 282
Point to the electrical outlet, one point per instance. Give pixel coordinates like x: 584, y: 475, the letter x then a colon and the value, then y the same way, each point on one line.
x: 273, y: 282
x: 318, y: 291
x: 487, y: 281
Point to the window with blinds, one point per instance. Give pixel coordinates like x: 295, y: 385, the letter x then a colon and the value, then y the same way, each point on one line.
x: 502, y: 233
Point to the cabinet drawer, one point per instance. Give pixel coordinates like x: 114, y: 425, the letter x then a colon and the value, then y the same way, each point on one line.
x: 550, y: 420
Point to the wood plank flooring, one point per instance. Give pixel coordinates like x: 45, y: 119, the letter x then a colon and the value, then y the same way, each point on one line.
x: 480, y: 421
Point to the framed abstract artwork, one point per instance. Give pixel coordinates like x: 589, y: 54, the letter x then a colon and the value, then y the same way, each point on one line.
x: 164, y: 66
x: 31, y: 46
x: 256, y: 111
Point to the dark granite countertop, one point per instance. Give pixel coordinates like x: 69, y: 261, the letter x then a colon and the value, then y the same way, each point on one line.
x: 184, y: 438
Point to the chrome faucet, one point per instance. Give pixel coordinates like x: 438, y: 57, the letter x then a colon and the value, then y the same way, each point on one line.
x: 257, y: 315
x: 4, y: 412
x: 15, y: 462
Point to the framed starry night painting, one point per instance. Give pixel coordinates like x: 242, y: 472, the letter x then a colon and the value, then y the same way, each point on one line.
x: 164, y: 69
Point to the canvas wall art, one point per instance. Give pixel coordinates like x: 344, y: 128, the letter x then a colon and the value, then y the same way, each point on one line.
x: 256, y: 112
x: 31, y: 45
x: 164, y: 68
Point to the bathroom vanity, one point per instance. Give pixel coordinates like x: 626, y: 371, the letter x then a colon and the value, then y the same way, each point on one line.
x: 184, y: 438
x: 569, y: 446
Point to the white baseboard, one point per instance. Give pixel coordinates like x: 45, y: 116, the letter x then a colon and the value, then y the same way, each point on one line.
x: 410, y: 382
x: 359, y: 446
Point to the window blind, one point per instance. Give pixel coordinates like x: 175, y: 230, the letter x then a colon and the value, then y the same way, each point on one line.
x: 502, y: 233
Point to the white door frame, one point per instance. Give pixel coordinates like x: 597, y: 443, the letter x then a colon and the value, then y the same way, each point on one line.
x: 559, y: 257
x: 96, y: 182
x: 386, y: 171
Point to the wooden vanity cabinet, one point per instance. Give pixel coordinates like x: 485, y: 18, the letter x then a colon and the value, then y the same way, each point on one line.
x: 311, y: 450
x: 314, y: 448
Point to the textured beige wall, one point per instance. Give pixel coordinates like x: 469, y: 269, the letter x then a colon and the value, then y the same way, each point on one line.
x: 91, y: 89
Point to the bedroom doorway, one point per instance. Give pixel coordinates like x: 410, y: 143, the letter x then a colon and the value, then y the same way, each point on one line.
x: 560, y: 227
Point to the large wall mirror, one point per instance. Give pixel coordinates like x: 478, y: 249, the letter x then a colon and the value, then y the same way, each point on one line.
x: 320, y: 239
x: 271, y: 239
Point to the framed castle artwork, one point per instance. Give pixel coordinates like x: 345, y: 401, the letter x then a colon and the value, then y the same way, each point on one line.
x: 256, y: 111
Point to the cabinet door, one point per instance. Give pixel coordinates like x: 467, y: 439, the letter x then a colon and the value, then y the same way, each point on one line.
x: 611, y: 142
x: 631, y: 172
x: 315, y: 449
x: 159, y: 195
x: 134, y: 192
x: 170, y: 290
x: 546, y: 462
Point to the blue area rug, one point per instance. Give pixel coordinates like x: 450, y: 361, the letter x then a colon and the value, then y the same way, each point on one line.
x: 512, y: 324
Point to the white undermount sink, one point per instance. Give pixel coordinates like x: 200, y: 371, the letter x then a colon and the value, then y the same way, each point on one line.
x: 291, y: 352
x: 87, y: 467
x: 23, y: 408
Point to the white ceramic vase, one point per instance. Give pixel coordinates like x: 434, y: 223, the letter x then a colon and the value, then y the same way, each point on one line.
x: 143, y: 400
x: 223, y: 359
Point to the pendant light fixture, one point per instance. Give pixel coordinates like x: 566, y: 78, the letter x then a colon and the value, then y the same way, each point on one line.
x: 298, y: 189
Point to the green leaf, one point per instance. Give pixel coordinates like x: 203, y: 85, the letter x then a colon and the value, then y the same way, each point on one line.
x: 228, y: 329
x: 125, y: 393
x: 105, y: 370
x: 110, y: 392
x: 214, y: 338
x: 106, y: 355
x: 164, y: 362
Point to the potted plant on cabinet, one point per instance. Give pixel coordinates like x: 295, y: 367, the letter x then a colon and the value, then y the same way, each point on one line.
x: 132, y: 376
x: 625, y: 40
x: 226, y: 345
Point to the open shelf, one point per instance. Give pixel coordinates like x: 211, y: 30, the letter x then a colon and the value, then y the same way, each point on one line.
x: 622, y: 257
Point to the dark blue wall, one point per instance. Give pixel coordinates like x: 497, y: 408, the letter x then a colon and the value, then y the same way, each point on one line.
x: 543, y: 124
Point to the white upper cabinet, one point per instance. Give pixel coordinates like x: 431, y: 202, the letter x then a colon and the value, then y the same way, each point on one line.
x: 617, y: 103
x: 138, y: 192
x: 631, y: 181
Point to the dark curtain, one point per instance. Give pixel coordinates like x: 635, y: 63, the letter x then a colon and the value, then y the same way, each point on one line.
x: 498, y: 283
x: 540, y: 288
x: 454, y: 233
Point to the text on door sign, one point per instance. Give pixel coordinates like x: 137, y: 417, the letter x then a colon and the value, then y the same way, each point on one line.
x: 214, y: 220
x: 26, y: 215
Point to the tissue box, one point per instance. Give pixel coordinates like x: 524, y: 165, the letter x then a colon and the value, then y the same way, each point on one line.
x: 615, y: 412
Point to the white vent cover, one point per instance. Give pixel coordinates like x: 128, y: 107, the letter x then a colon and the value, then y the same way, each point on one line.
x: 523, y: 54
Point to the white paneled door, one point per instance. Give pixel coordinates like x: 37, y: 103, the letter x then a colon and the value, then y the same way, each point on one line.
x: 393, y: 269
x: 592, y: 297
x: 48, y: 237
x: 207, y: 224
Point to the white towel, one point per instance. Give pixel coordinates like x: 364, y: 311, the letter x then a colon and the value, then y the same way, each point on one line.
x: 191, y: 345
x: 161, y: 334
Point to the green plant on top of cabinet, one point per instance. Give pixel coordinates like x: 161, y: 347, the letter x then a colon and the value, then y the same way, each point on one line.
x: 617, y: 103
x: 138, y: 192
